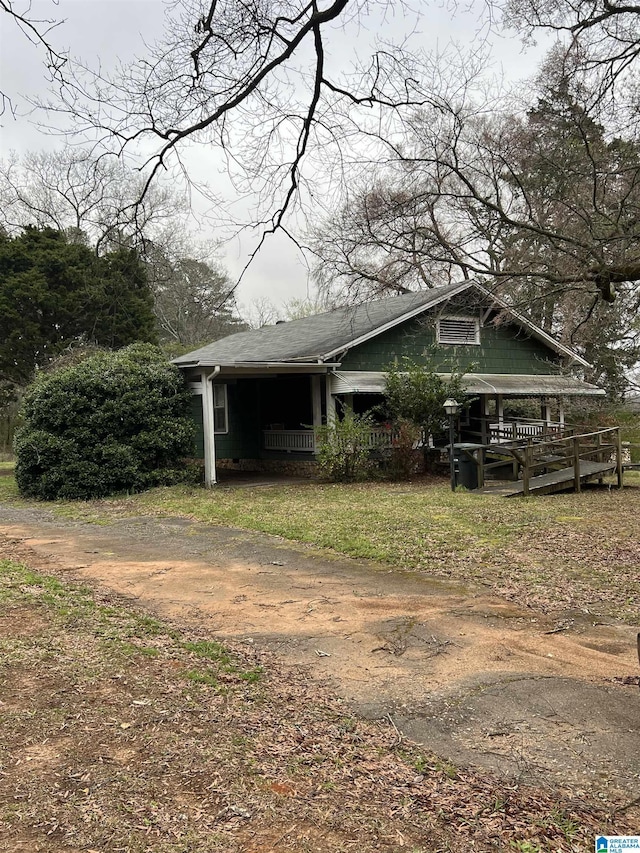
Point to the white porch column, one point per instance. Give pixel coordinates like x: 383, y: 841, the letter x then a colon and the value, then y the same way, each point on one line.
x: 546, y: 411
x: 208, y: 429
x: 561, y: 412
x: 500, y: 409
x: 330, y: 400
x: 484, y: 423
x: 316, y: 403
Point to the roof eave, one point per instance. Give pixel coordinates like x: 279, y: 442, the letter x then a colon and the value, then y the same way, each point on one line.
x: 258, y: 364
x: 536, y: 330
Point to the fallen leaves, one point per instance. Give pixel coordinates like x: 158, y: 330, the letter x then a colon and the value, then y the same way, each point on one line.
x: 222, y: 767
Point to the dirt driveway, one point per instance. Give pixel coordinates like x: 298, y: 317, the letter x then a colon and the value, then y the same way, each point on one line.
x: 472, y: 677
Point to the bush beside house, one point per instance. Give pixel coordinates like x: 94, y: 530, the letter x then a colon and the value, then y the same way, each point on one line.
x: 116, y: 422
x: 414, y: 400
x: 343, y: 448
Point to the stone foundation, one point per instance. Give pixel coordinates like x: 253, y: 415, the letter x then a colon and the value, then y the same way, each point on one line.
x: 292, y: 467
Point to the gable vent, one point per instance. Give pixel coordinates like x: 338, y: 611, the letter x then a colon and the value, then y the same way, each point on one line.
x: 458, y: 330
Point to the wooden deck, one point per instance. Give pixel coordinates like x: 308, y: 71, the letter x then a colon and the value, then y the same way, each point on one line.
x: 553, y: 481
x: 542, y: 465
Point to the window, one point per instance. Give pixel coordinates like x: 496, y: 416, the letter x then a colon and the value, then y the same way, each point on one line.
x: 220, y: 408
x: 458, y: 330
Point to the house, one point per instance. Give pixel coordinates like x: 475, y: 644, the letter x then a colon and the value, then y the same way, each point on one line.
x: 258, y: 395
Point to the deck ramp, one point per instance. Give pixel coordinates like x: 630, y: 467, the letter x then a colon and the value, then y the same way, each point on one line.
x: 552, y: 481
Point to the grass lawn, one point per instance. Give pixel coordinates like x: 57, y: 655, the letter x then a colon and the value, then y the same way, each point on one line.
x: 573, y: 551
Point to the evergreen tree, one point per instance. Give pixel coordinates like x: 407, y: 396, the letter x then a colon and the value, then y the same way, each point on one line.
x: 55, y: 293
x: 581, y: 183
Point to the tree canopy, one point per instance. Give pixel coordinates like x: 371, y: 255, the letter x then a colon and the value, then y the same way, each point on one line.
x: 261, y: 83
x: 192, y: 303
x: 547, y: 196
x: 543, y: 207
x: 55, y: 293
x: 597, y: 42
x: 92, y: 198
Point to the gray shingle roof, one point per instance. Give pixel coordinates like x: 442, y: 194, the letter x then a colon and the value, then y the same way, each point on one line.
x: 313, y: 338
x: 323, y: 336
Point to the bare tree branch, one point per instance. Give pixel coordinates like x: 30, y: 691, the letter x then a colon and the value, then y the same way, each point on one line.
x: 249, y: 80
x: 541, y: 205
x: 37, y: 31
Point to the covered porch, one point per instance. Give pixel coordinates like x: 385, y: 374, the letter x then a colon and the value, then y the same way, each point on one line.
x: 498, y: 432
x: 258, y: 420
x: 488, y: 418
x: 267, y: 419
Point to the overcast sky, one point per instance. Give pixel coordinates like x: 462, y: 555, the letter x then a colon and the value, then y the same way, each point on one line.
x: 116, y: 30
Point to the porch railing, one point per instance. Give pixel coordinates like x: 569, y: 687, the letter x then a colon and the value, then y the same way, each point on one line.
x: 303, y: 440
x: 289, y: 440
x: 382, y: 437
x: 514, y: 429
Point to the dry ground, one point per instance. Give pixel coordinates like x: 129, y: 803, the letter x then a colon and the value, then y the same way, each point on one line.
x: 122, y: 734
x: 135, y: 730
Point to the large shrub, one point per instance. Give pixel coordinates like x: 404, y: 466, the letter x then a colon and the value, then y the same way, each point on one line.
x: 118, y: 421
x: 344, y: 448
x: 405, y: 457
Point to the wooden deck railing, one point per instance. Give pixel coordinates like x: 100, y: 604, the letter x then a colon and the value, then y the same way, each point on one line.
x: 487, y: 430
x: 532, y: 456
x: 517, y: 428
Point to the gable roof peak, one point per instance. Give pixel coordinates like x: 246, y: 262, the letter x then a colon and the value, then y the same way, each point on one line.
x: 317, y: 337
x: 321, y: 337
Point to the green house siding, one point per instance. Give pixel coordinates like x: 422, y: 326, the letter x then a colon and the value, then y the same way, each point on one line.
x: 196, y: 414
x: 242, y: 441
x: 503, y: 349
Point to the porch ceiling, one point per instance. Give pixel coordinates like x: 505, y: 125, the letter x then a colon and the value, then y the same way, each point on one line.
x: 514, y: 384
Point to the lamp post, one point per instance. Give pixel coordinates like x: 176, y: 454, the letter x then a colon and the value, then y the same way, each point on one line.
x: 451, y: 407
